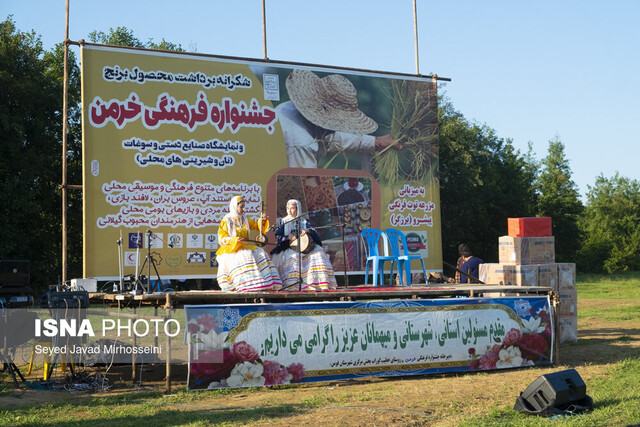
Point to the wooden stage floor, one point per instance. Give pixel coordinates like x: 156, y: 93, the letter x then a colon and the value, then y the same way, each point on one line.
x: 353, y: 293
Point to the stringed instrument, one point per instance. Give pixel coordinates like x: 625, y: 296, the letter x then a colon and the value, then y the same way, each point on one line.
x: 261, y: 238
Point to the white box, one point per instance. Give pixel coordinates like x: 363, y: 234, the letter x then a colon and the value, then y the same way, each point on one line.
x: 89, y: 285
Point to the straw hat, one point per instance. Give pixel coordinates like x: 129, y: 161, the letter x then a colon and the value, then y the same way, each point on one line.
x: 329, y: 102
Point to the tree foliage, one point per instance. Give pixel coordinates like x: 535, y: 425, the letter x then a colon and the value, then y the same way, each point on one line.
x: 123, y: 36
x: 559, y: 199
x: 31, y: 87
x: 611, y: 226
x: 483, y: 180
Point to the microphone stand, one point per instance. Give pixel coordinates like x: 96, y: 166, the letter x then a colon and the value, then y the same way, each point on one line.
x: 298, y: 227
x: 115, y: 287
x: 344, y: 256
x: 152, y: 262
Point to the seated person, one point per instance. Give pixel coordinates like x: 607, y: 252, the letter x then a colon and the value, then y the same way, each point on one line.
x: 314, y: 269
x: 470, y: 264
x: 242, y: 265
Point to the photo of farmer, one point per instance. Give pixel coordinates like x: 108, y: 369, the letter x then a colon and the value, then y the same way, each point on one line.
x: 322, y: 116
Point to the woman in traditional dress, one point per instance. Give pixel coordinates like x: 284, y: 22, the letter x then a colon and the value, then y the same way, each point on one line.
x: 243, y: 266
x: 314, y: 268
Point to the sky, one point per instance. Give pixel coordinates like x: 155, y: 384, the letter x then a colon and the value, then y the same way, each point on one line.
x: 533, y: 71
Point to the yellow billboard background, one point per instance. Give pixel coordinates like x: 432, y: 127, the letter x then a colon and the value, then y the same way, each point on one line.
x: 169, y: 138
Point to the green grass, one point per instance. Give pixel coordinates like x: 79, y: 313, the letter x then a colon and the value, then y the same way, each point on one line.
x: 612, y: 313
x: 616, y: 394
x: 622, y: 289
x: 625, y: 286
x: 615, y: 390
x: 616, y: 400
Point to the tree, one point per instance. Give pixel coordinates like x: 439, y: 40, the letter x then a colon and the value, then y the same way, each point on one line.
x: 120, y: 36
x: 123, y: 36
x: 559, y: 199
x: 611, y: 226
x: 30, y: 152
x: 483, y: 180
x: 31, y: 94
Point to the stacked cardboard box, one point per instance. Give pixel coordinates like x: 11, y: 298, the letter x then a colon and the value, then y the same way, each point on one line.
x: 527, y: 258
x: 568, y: 311
x: 510, y: 275
x: 522, y: 261
x: 526, y: 250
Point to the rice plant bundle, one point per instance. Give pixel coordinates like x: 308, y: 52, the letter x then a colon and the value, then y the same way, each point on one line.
x: 414, y: 124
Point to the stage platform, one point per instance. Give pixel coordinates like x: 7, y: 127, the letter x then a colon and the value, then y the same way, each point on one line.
x: 354, y: 293
x: 178, y: 299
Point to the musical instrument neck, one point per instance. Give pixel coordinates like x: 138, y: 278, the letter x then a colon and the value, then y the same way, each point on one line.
x: 261, y: 238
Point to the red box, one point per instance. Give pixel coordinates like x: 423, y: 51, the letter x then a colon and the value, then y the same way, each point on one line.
x: 538, y: 226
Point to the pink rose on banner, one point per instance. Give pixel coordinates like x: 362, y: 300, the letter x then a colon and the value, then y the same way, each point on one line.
x: 212, y: 366
x: 520, y: 347
x: 241, y: 366
x: 490, y: 358
x: 512, y: 338
x: 207, y: 321
x: 297, y: 371
x: 475, y: 364
x: 533, y: 346
x: 274, y: 373
x: 201, y: 324
x: 244, y: 352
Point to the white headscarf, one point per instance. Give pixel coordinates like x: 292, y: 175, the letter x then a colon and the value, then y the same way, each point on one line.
x: 290, y: 225
x: 233, y: 214
x: 233, y: 207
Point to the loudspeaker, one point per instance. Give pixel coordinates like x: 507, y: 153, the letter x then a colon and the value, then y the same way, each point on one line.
x: 558, y: 390
x: 68, y: 299
x: 15, y: 272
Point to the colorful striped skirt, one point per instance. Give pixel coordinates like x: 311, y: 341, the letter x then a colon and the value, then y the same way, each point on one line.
x: 247, y: 270
x: 317, y: 272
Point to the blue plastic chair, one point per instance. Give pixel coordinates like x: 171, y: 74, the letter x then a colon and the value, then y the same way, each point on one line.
x: 371, y: 238
x: 397, y: 238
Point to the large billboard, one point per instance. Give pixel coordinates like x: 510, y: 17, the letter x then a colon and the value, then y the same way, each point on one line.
x: 169, y: 138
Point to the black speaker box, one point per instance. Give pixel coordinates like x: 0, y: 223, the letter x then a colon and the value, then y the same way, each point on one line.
x: 15, y: 272
x: 558, y: 390
x: 68, y: 299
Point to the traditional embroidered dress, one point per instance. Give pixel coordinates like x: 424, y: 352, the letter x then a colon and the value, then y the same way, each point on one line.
x: 243, y: 266
x: 314, y: 268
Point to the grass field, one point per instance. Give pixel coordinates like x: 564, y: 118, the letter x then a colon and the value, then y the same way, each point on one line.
x: 607, y: 357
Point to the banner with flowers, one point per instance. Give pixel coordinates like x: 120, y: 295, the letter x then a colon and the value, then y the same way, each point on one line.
x: 269, y: 344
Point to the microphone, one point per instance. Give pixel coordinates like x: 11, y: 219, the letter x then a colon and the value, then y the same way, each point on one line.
x: 274, y: 226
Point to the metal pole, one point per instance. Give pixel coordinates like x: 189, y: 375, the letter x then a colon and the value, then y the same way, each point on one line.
x: 415, y: 34
x: 264, y: 30
x: 167, y: 384
x: 133, y: 354
x: 64, y: 144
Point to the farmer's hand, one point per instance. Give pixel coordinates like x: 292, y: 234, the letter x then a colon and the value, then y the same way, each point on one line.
x: 384, y: 141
